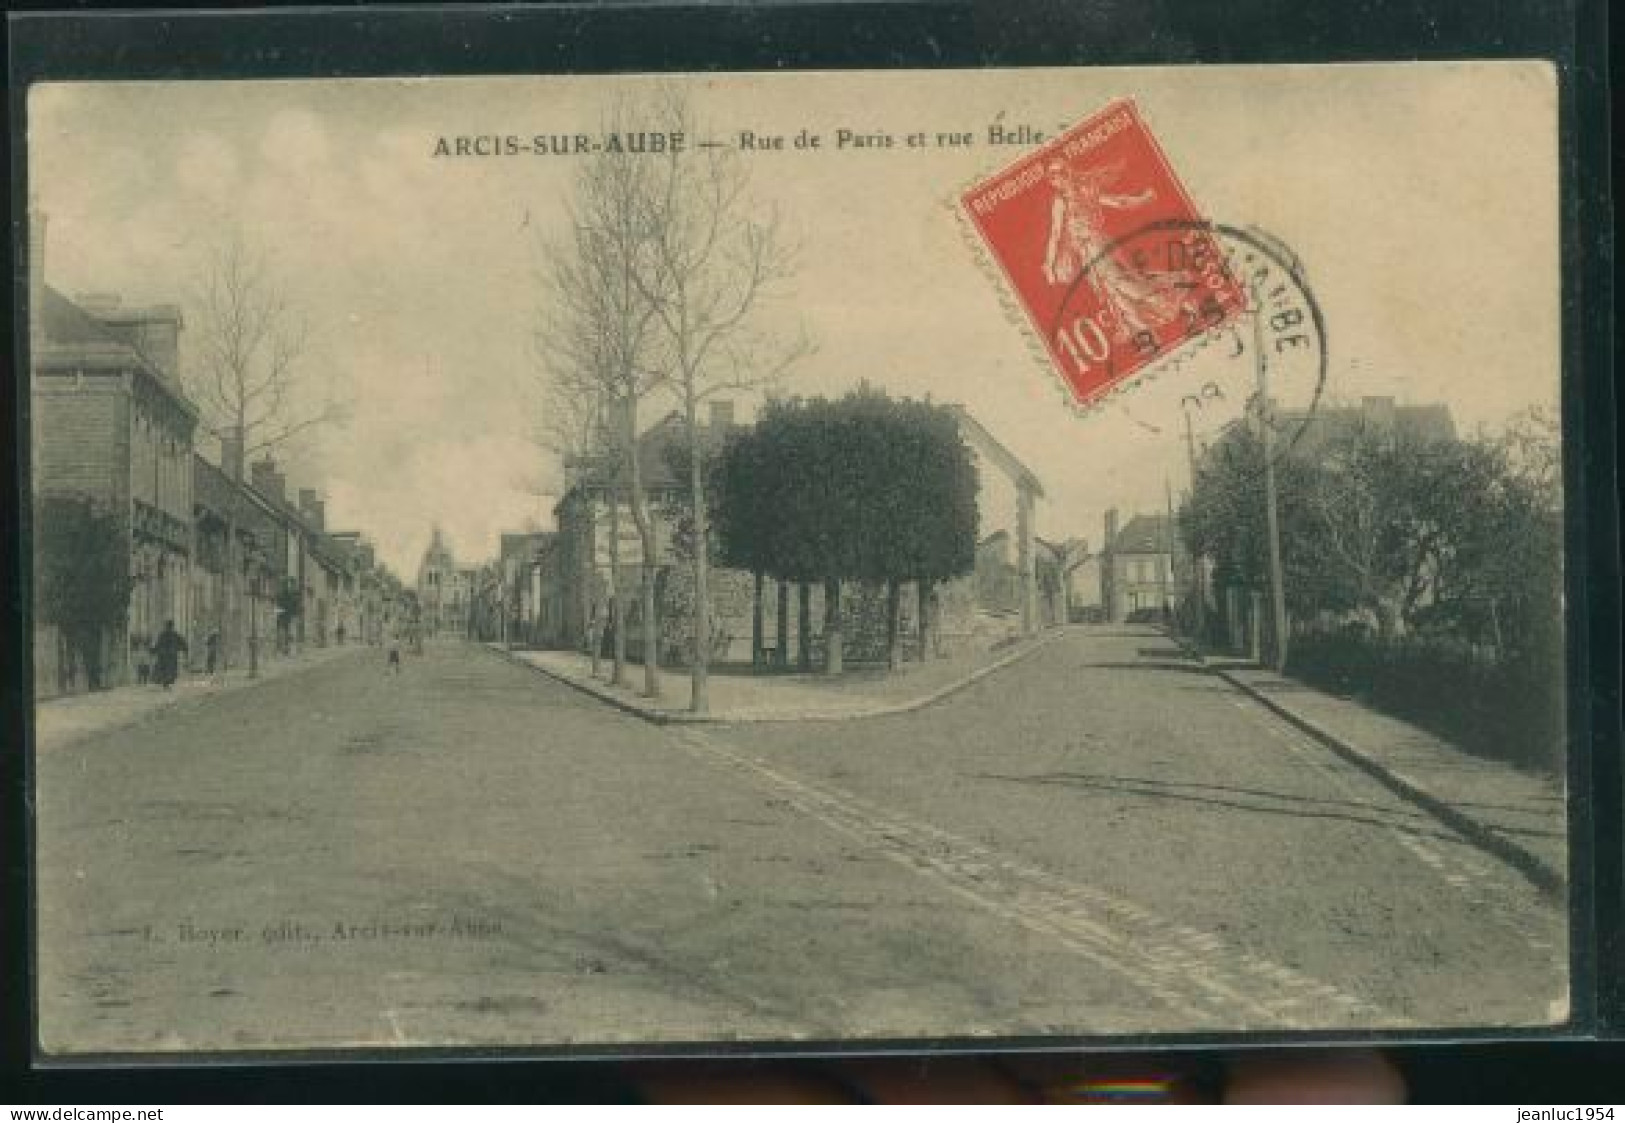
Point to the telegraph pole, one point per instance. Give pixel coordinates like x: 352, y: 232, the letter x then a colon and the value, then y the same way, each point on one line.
x: 1168, y: 574
x: 1197, y: 591
x: 1271, y: 511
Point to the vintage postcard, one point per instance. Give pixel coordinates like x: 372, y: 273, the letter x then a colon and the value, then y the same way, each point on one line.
x: 621, y: 561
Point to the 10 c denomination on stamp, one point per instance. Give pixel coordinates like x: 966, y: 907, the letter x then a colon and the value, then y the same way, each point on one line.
x: 1061, y: 221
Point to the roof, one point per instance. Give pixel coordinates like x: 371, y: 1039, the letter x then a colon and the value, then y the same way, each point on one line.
x: 1431, y: 422
x: 524, y: 544
x: 438, y: 556
x: 655, y: 450
x: 329, y: 552
x: 213, y: 489
x: 74, y: 338
x: 994, y: 450
x: 1144, y: 534
x: 65, y: 324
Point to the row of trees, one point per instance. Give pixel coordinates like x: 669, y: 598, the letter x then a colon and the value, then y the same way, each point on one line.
x: 1395, y: 526
x: 1403, y: 549
x: 657, y: 288
x: 865, y: 487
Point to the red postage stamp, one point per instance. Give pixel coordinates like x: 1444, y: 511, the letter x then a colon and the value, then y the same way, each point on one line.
x: 1104, y: 250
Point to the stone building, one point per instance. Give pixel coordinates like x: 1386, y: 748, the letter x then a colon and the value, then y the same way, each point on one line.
x: 530, y: 596
x: 443, y: 591
x: 111, y: 426
x: 999, y: 600
x: 1142, y: 564
x: 239, y: 564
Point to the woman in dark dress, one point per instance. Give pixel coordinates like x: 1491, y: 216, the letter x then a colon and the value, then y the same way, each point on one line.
x: 166, y: 655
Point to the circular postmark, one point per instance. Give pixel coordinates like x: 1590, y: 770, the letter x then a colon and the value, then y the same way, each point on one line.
x: 1200, y: 326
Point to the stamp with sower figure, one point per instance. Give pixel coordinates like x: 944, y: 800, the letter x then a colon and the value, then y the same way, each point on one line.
x: 1061, y: 223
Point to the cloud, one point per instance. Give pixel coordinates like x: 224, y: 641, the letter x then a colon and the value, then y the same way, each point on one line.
x: 207, y: 167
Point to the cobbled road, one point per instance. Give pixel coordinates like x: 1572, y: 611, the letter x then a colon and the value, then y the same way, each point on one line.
x: 1100, y: 839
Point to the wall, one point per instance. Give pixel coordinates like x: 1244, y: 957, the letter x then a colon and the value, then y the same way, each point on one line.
x: 81, y: 446
x: 81, y: 436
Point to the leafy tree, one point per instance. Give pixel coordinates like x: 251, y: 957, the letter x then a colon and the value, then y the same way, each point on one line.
x: 81, y: 577
x: 1404, y: 527
x: 862, y: 488
x: 1224, y: 519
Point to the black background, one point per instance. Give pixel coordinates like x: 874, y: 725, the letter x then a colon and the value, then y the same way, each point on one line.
x: 409, y: 40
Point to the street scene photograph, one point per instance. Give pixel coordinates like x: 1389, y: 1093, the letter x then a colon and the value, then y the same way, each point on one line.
x: 590, y: 562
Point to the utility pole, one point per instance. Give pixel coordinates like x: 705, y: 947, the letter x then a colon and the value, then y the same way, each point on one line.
x: 1271, y: 511
x: 1167, y: 571
x: 253, y: 614
x: 1197, y: 592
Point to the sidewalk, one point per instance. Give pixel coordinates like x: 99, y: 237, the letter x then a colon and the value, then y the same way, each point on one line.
x: 62, y: 721
x: 740, y: 696
x: 1518, y: 816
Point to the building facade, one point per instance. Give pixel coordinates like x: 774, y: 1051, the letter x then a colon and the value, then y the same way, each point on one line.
x: 1141, y: 568
x: 597, y: 536
x: 111, y: 429
x: 444, y: 591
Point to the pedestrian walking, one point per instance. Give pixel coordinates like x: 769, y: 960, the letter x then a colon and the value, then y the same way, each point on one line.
x: 143, y: 658
x: 167, y: 650
x: 394, y: 663
x: 211, y: 654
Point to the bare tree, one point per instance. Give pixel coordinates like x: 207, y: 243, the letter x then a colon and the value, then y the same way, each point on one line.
x: 1065, y: 558
x: 600, y: 349
x: 713, y: 261
x: 250, y: 341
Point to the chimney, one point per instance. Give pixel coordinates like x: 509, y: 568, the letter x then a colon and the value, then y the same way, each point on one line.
x: 158, y: 337
x: 1379, y: 411
x: 153, y: 332
x: 312, y: 507
x: 36, y: 279
x: 267, y: 480
x: 722, y: 417
x: 1108, y: 569
x: 231, y: 454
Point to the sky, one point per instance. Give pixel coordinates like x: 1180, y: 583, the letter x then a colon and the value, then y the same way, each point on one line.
x: 1421, y: 200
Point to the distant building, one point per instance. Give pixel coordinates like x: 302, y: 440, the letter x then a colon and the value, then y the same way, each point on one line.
x: 239, y: 563
x: 443, y: 591
x: 1007, y: 567
x: 1326, y: 423
x: 1139, y: 565
x: 595, y: 529
x: 530, y: 595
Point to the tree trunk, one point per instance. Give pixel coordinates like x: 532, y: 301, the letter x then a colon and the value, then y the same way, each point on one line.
x: 617, y: 617
x: 700, y: 670
x: 922, y: 589
x: 651, y: 635
x: 781, y: 652
x: 894, y: 638
x: 595, y: 633
x: 832, y: 626
x: 758, y: 656
x: 647, y: 544
x: 803, y: 626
